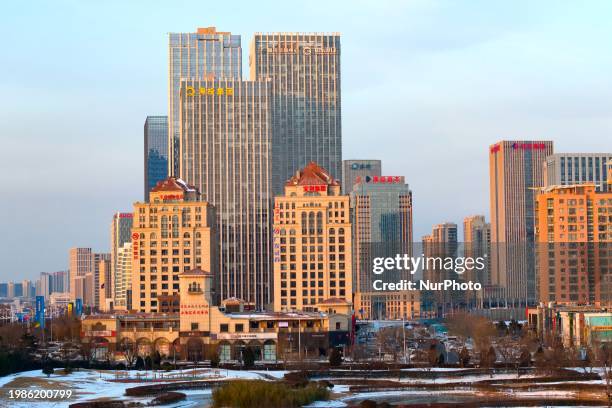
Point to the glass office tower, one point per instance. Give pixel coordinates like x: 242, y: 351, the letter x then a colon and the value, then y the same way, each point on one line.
x: 155, y: 152
x: 205, y: 54
x: 225, y: 147
x: 306, y: 121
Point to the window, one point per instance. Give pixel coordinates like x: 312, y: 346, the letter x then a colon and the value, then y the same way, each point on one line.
x: 195, y: 326
x: 224, y: 328
x: 239, y: 327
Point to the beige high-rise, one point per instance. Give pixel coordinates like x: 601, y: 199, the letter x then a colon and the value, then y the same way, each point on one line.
x: 173, y: 233
x: 516, y: 168
x: 80, y: 265
x: 312, y: 243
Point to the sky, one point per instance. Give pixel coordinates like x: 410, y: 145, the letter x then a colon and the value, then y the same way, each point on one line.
x: 427, y: 86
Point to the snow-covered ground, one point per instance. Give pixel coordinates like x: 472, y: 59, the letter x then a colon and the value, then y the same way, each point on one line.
x: 87, y: 385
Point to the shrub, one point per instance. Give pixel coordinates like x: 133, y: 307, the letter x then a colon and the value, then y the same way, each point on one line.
x: 297, y: 378
x: 259, y: 393
x: 166, y: 366
x: 168, y: 398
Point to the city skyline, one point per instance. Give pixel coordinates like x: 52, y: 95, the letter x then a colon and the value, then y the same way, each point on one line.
x: 63, y: 156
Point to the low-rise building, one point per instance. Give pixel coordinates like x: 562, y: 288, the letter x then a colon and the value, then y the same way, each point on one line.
x: 200, y: 328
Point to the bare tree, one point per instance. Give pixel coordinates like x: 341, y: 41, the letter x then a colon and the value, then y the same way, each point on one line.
x: 604, y: 360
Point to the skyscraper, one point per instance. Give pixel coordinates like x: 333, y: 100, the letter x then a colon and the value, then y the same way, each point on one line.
x: 304, y: 70
x: 312, y: 241
x: 225, y: 152
x: 205, y: 54
x: 563, y: 169
x: 155, y: 152
x: 515, y: 168
x: 355, y: 171
x: 381, y: 213
x: 120, y: 233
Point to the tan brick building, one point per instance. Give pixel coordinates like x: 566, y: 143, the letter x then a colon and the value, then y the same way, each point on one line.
x: 172, y: 233
x: 312, y: 242
x: 573, y: 236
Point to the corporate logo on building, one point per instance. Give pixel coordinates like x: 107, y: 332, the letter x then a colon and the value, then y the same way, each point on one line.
x: 520, y: 146
x: 361, y: 166
x: 380, y: 179
x: 297, y: 48
x: 192, y: 91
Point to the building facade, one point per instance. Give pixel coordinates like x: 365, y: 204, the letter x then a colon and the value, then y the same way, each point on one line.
x: 81, y: 264
x: 173, y: 233
x: 477, y: 244
x: 515, y: 169
x: 574, y: 235
x: 97, y: 259
x: 155, y: 152
x: 562, y: 169
x: 381, y: 214
x: 356, y: 171
x: 205, y: 54
x: 304, y: 70
x: 225, y: 152
x: 122, y: 299
x: 120, y: 233
x: 312, y: 242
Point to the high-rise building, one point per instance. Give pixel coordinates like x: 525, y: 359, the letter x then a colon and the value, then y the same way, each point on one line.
x: 515, y: 169
x: 205, y: 54
x: 172, y: 233
x: 10, y: 290
x: 26, y: 289
x: 573, y: 235
x: 312, y: 243
x: 563, y: 169
x: 105, y: 294
x: 225, y: 152
x: 97, y: 259
x: 477, y: 244
x: 356, y: 171
x: 120, y: 233
x: 441, y: 243
x: 304, y: 70
x: 123, y: 278
x: 80, y: 265
x: 155, y: 152
x: 381, y: 214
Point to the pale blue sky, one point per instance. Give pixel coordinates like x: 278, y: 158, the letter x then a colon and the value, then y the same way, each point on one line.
x: 426, y: 87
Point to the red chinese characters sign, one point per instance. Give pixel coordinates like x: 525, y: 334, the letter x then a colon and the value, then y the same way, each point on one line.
x: 275, y: 234
x: 315, y: 188
x: 135, y: 238
x: 172, y: 197
x: 380, y: 179
x: 520, y: 146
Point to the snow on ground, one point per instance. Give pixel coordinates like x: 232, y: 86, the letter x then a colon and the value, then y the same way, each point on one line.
x: 93, y: 384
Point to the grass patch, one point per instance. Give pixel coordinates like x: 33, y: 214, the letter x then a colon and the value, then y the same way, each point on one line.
x: 259, y: 393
